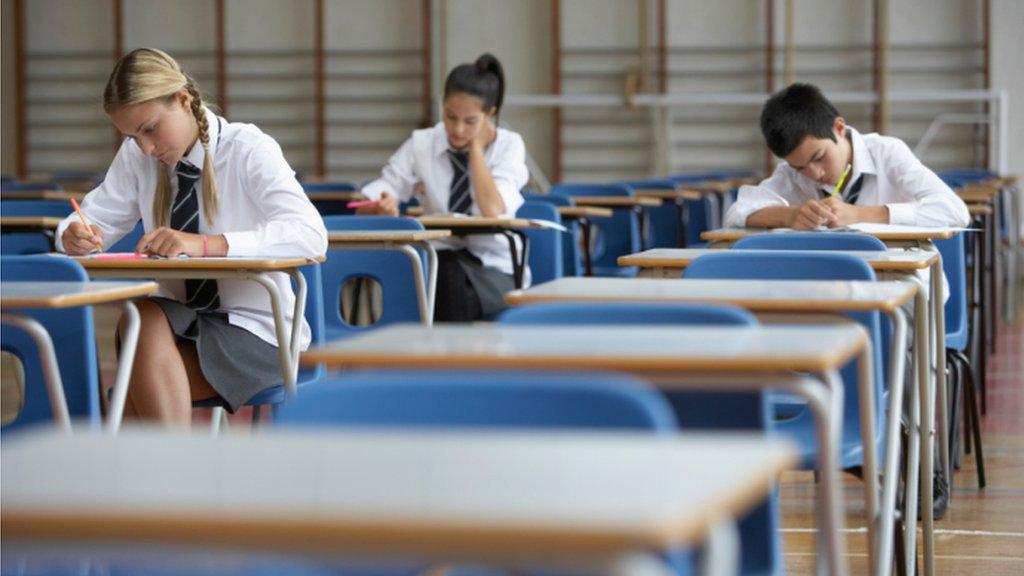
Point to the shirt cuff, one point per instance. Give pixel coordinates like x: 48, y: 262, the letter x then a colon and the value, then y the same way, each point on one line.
x: 241, y: 244
x: 57, y: 243
x: 736, y: 216
x: 374, y: 189
x: 903, y: 214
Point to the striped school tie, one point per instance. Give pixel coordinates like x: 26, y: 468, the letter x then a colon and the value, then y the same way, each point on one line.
x: 852, y: 192
x: 459, y: 200
x: 200, y: 294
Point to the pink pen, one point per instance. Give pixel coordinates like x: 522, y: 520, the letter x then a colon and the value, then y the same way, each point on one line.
x: 360, y: 203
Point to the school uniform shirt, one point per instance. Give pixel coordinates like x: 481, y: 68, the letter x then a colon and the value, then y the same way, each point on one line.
x: 891, y: 174
x: 262, y: 211
x: 424, y: 158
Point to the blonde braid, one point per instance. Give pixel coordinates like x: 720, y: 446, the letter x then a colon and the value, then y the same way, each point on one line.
x: 210, y: 197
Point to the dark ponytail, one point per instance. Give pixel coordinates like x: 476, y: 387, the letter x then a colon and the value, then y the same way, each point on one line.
x: 484, y: 79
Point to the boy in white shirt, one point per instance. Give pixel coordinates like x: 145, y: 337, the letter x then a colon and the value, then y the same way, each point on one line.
x: 887, y: 183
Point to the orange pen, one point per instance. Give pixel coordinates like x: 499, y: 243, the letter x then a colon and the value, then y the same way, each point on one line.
x: 81, y: 216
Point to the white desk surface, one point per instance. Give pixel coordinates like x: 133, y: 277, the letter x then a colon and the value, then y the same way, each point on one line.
x: 396, y: 236
x: 199, y: 263
x: 759, y: 295
x: 68, y: 294
x: 451, y: 493
x: 887, y: 261
x: 881, y: 231
x: 760, y: 349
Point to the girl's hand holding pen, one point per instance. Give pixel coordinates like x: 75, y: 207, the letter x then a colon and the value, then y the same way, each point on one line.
x: 79, y: 239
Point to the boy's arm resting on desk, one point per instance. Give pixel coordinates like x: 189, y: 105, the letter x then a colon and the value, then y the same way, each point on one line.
x: 932, y: 203
x: 292, y: 226
x: 772, y: 203
x: 113, y: 206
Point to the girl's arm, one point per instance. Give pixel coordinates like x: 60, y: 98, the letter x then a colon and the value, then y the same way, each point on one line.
x: 496, y: 189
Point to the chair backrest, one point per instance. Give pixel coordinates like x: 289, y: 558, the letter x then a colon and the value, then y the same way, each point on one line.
x: 57, y: 208
x: 24, y: 243
x: 74, y: 340
x: 392, y: 270
x: 760, y: 544
x: 481, y: 399
x: 809, y: 265
x: 313, y: 275
x: 545, y: 259
x: 954, y: 266
x: 15, y: 186
x: 664, y: 225
x: 617, y: 235
x: 128, y: 242
x: 572, y: 262
x: 810, y: 241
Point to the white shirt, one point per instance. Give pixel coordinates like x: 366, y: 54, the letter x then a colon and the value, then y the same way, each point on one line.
x: 893, y: 176
x: 262, y: 211
x: 423, y: 158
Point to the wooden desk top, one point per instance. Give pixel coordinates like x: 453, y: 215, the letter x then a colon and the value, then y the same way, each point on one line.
x: 41, y: 195
x: 339, y: 195
x: 759, y: 349
x: 30, y: 221
x: 208, y: 263
x: 442, y: 493
x: 885, y: 233
x: 456, y: 223
x: 584, y: 212
x: 757, y: 295
x: 684, y: 193
x: 69, y: 294
x: 977, y: 194
x: 385, y: 236
x: 980, y: 209
x: 888, y: 261
x: 616, y: 201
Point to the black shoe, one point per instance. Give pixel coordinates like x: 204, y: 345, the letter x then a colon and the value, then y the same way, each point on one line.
x: 940, y: 497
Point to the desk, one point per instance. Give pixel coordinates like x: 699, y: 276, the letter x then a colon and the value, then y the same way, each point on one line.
x: 895, y: 235
x: 258, y: 270
x: 455, y: 495
x: 635, y: 203
x: 789, y: 297
x: 403, y: 241
x: 748, y: 358
x: 31, y: 222
x: 41, y: 195
x: 54, y: 295
x: 928, y: 317
x: 510, y: 228
x: 334, y: 196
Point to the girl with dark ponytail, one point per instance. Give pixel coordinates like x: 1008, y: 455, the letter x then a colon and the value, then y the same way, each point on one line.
x: 465, y: 164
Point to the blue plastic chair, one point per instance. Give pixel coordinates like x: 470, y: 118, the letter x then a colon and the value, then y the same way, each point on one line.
x: 665, y: 223
x: 810, y: 265
x: 618, y: 235
x: 129, y: 241
x: 572, y: 260
x: 759, y: 529
x: 16, y: 186
x: 545, y: 258
x: 955, y: 268
x: 276, y: 395
x: 330, y: 207
x: 74, y: 340
x: 392, y: 270
x: 810, y: 241
x: 30, y: 242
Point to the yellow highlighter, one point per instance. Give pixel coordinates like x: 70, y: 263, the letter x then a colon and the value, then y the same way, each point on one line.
x: 842, y: 179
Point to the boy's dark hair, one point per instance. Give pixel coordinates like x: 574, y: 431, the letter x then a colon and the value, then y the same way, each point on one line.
x: 484, y: 79
x: 794, y: 113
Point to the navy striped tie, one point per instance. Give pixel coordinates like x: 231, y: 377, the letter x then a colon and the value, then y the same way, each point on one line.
x: 852, y: 192
x: 459, y: 199
x: 199, y: 294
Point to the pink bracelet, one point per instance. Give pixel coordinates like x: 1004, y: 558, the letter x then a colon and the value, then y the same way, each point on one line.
x: 205, y: 246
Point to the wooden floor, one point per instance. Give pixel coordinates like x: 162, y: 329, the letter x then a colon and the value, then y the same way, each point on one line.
x: 982, y: 533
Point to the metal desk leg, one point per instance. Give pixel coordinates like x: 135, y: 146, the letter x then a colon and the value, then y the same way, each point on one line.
x: 427, y: 306
x: 866, y: 397
x: 423, y: 299
x: 833, y: 511
x: 939, y: 360
x: 519, y: 262
x: 48, y: 360
x: 129, y: 342
x: 588, y: 258
x: 288, y: 371
x: 890, y: 469
x: 927, y: 432
x: 298, y: 314
x: 722, y: 555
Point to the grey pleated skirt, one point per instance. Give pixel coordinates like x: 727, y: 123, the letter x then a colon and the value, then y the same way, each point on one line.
x: 236, y: 362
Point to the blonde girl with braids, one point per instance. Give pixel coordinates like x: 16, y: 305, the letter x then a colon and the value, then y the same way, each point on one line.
x: 202, y: 187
